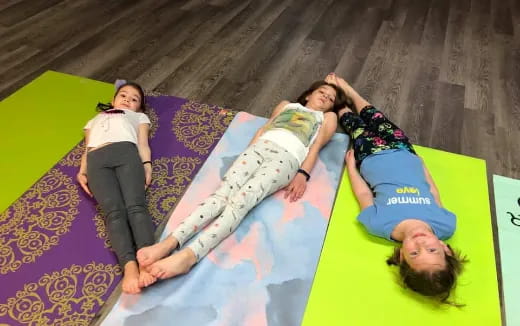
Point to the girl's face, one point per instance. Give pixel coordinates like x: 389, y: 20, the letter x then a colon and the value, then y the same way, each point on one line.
x: 127, y: 98
x: 424, y: 251
x: 321, y: 99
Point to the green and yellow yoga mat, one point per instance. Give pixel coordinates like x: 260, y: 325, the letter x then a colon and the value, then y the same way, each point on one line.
x: 507, y: 201
x: 354, y: 286
x: 33, y: 133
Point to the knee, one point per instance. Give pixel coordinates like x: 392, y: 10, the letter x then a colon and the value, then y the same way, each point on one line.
x: 116, y: 215
x: 136, y: 210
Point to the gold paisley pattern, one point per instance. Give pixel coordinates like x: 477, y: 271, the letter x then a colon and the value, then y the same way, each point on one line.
x: 154, y: 121
x: 170, y: 176
x: 101, y: 227
x: 35, y: 222
x: 71, y: 296
x: 197, y: 126
x: 73, y: 158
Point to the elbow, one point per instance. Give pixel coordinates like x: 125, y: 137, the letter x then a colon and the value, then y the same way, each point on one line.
x: 365, y: 198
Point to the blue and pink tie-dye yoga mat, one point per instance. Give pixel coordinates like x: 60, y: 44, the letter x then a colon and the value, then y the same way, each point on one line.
x: 261, y: 274
x: 56, y: 265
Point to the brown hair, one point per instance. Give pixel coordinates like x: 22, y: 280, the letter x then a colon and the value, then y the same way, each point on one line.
x: 137, y: 87
x: 341, y: 99
x: 434, y: 284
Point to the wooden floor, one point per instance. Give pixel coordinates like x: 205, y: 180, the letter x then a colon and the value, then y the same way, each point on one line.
x: 446, y: 71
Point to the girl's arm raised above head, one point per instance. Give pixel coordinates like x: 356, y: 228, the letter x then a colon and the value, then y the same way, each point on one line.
x: 358, y: 101
x: 277, y: 110
x: 360, y: 188
x: 144, y: 151
x: 296, y: 188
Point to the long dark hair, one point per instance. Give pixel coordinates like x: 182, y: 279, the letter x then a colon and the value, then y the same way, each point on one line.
x: 136, y: 86
x: 434, y: 284
x: 341, y: 100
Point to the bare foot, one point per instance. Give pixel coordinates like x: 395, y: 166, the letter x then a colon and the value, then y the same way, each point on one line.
x: 131, y: 278
x: 145, y: 279
x: 176, y: 264
x: 149, y: 255
x: 332, y: 78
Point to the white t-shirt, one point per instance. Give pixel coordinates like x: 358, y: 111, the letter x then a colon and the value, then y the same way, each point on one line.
x: 115, y: 127
x: 295, y: 129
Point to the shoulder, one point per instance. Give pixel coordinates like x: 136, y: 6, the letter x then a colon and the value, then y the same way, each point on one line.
x: 280, y: 107
x: 330, y: 119
x: 367, y: 216
x: 330, y: 116
x: 284, y: 104
x: 89, y: 123
x: 142, y: 117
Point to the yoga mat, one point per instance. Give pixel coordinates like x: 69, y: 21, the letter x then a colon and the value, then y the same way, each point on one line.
x: 40, y: 123
x: 507, y: 201
x: 56, y: 265
x: 262, y: 273
x: 354, y: 286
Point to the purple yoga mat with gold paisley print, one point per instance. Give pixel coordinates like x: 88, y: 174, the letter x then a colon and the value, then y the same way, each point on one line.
x: 56, y: 264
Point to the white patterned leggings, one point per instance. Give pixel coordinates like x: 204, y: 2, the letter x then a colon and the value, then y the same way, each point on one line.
x: 261, y: 170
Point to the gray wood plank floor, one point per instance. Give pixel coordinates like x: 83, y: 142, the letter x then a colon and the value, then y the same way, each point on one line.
x: 446, y: 71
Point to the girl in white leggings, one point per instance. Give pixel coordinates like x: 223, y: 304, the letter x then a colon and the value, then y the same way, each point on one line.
x: 281, y: 155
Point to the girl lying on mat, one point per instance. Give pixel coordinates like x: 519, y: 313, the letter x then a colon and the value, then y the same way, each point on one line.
x: 115, y: 168
x: 281, y: 155
x: 399, y: 199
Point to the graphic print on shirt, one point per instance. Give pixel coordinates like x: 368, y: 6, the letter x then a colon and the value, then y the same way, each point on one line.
x: 301, y: 123
x: 403, y: 198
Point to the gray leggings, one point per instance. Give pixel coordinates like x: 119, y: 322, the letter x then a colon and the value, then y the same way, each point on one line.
x: 116, y: 178
x: 258, y: 172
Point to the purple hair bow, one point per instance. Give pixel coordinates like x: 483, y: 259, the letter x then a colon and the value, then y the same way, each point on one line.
x: 119, y: 83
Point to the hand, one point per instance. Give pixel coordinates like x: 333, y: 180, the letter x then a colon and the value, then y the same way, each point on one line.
x: 350, y: 159
x: 296, y: 188
x: 147, y: 175
x: 83, y: 182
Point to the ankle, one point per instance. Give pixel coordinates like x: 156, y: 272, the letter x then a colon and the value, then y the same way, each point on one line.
x: 189, y: 256
x: 171, y: 242
x: 131, y: 266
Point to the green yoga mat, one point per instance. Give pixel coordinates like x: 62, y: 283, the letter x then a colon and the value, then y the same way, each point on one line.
x: 507, y: 201
x: 354, y: 286
x: 40, y: 123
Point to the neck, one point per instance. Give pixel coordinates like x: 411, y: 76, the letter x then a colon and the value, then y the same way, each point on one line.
x: 310, y: 106
x: 409, y: 227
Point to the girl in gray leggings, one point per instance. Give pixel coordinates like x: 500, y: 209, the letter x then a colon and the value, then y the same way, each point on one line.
x: 281, y: 155
x: 114, y: 169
